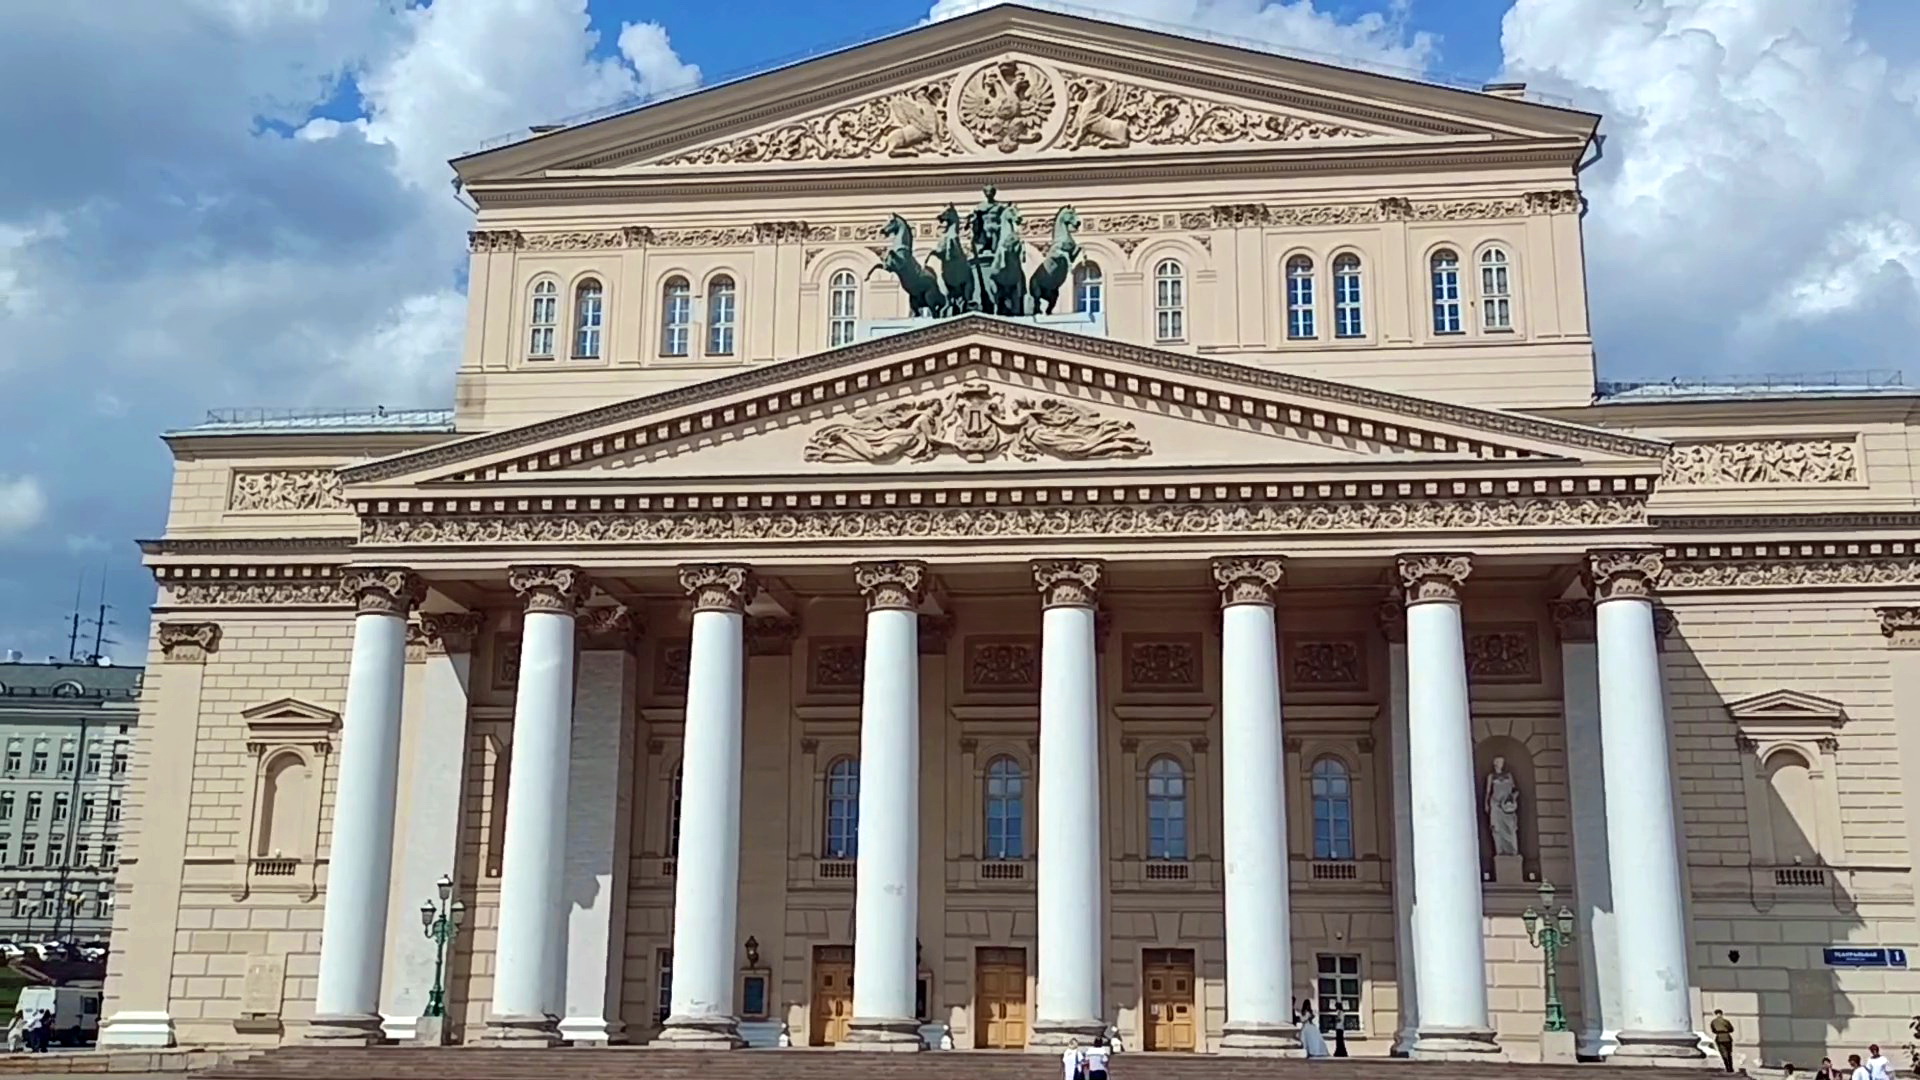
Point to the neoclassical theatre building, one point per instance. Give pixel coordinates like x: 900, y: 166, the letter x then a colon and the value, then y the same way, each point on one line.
x: 1195, y: 576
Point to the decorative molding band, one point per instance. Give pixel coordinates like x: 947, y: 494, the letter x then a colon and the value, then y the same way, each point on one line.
x: 285, y: 490
x: 897, y: 586
x: 1068, y: 582
x: 1900, y: 626
x: 1791, y: 565
x: 1761, y: 463
x: 929, y: 358
x: 719, y: 586
x: 384, y: 590
x: 188, y: 642
x: 1624, y: 574
x: 251, y: 586
x: 951, y: 516
x: 1247, y: 581
x: 445, y: 632
x: 285, y: 545
x: 557, y: 589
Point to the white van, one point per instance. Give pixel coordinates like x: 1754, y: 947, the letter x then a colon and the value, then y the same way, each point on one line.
x: 76, y: 1011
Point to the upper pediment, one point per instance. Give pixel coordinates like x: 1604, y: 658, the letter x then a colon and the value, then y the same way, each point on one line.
x: 1011, y: 84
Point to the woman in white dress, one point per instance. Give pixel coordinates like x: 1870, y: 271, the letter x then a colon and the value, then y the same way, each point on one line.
x: 1311, y: 1038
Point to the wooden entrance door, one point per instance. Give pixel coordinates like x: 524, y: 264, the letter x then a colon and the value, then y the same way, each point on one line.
x: 1000, y: 999
x: 832, y: 994
x: 1169, y: 999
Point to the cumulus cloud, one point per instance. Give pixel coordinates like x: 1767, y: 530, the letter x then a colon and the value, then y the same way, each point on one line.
x: 22, y: 504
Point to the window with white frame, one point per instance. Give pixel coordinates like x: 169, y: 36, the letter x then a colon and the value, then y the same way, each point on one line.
x: 1332, y: 810
x: 1089, y: 289
x: 1444, y: 269
x: 588, y: 313
x: 33, y: 806
x: 1300, y: 298
x: 1169, y: 301
x: 61, y: 807
x: 1348, y: 322
x: 1166, y: 809
x: 543, y: 315
x: 1006, y: 809
x: 722, y: 315
x: 1496, y: 291
x: 1337, y: 991
x: 676, y: 317
x: 663, y: 986
x: 843, y: 810
x: 843, y: 308
x: 674, y: 789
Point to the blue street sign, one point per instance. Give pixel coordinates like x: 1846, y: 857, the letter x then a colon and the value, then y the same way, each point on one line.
x: 1857, y: 957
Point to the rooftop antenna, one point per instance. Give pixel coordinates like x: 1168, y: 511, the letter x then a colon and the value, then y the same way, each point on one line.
x: 73, y: 621
x: 100, y: 622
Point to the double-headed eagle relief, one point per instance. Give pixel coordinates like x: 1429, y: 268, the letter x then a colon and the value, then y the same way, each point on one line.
x: 978, y: 422
x: 982, y: 261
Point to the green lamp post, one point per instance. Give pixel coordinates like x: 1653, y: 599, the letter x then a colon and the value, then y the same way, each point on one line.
x: 441, y: 920
x: 1550, y: 932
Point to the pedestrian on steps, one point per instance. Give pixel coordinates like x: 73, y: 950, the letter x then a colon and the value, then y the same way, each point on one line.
x: 1097, y: 1056
x: 1073, y: 1063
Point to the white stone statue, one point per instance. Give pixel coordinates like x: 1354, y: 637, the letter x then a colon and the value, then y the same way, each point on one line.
x: 1503, y: 809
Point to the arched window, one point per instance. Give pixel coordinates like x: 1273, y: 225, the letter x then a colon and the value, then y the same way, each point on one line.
x: 843, y: 809
x: 1496, y: 291
x: 1300, y: 298
x: 283, y: 807
x: 1166, y: 809
x: 1332, y: 810
x: 1445, y: 267
x: 543, y: 315
x: 843, y: 308
x: 1006, y: 809
x: 1169, y: 301
x: 673, y: 811
x: 721, y: 314
x: 1089, y: 289
x: 1347, y: 319
x: 588, y: 301
x: 676, y: 317
x: 1790, y: 804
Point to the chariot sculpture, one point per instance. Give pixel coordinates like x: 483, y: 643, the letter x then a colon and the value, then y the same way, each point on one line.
x: 982, y: 260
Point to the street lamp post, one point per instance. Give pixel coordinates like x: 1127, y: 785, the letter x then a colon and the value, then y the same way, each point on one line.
x: 1550, y: 932
x: 441, y: 920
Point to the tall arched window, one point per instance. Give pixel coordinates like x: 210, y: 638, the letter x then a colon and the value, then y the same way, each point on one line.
x: 1300, y: 298
x: 1790, y: 808
x: 676, y: 317
x: 1169, y: 301
x: 674, y: 789
x: 722, y: 311
x: 1445, y: 267
x: 283, y: 808
x: 1166, y: 809
x: 1089, y: 289
x: 1332, y: 810
x: 1348, y: 322
x: 543, y: 315
x: 843, y: 809
x: 588, y: 300
x: 843, y: 308
x: 1496, y: 291
x: 1006, y: 809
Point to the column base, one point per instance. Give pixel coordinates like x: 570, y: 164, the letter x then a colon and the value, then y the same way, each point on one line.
x: 1598, y: 1045
x: 592, y: 1031
x: 699, y: 1033
x: 1669, y: 1048
x: 883, y: 1034
x: 1261, y: 1040
x: 1403, y: 1041
x: 1456, y: 1044
x: 344, y: 1029
x: 520, y: 1032
x: 142, y: 1029
x: 1059, y: 1034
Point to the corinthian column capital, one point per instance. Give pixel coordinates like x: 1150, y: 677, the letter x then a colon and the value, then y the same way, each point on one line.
x: 896, y: 585
x: 1430, y: 578
x: 1068, y: 582
x: 719, y: 586
x: 609, y: 626
x: 1624, y: 573
x: 450, y: 631
x: 1248, y: 580
x: 549, y: 588
x: 384, y: 590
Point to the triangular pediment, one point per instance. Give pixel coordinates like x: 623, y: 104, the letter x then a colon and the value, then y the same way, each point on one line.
x: 976, y: 395
x: 1788, y: 707
x: 1010, y: 85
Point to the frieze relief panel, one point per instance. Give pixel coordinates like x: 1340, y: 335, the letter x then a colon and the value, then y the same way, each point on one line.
x: 1325, y: 662
x: 1762, y: 463
x: 1503, y: 653
x: 1002, y: 663
x: 672, y: 660
x: 289, y: 490
x: 1161, y: 663
x: 978, y: 422
x: 836, y: 665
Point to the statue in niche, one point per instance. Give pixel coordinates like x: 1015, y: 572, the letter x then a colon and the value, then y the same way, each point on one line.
x: 1503, y: 809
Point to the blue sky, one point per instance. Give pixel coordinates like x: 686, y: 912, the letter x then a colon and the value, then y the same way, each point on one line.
x: 245, y: 202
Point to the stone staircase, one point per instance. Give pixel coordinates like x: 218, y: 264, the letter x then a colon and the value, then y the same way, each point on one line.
x: 622, y: 1063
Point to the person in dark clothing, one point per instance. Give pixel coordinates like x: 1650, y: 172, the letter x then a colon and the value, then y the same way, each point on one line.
x: 1722, y: 1030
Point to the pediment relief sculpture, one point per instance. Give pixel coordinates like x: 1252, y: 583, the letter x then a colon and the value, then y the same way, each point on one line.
x: 1108, y: 114
x: 978, y: 422
x: 1762, y: 462
x: 905, y: 124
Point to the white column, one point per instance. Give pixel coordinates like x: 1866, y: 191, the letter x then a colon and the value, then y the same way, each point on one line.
x: 1448, y: 935
x: 706, y: 889
x: 429, y: 834
x: 1587, y: 802
x: 1069, y: 888
x: 1259, y: 905
x: 887, y: 886
x: 1393, y: 623
x: 353, y: 932
x: 529, y: 957
x: 1656, y: 1016
x: 599, y: 817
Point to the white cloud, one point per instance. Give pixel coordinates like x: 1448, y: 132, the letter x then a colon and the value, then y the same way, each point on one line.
x: 22, y: 504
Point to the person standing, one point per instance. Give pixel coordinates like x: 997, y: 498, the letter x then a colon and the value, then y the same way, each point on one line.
x: 1097, y: 1056
x: 1878, y: 1067
x: 1073, y: 1062
x: 1859, y: 1071
x: 1722, y: 1030
x: 1312, y: 1039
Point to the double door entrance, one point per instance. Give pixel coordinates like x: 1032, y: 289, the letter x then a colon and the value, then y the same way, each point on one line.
x: 1169, y: 999
x: 1000, y: 999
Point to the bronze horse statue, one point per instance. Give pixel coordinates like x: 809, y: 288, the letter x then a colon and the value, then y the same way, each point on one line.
x: 923, y: 290
x: 957, y: 274
x: 1006, y: 280
x: 1044, y: 287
